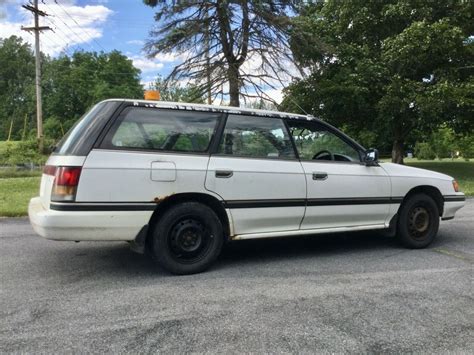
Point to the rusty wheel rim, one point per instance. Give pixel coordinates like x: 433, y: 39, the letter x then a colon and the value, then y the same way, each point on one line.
x: 419, y: 222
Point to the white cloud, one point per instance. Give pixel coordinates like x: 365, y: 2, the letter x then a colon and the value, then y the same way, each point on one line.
x: 146, y: 65
x: 137, y: 42
x: 170, y: 57
x: 72, y: 25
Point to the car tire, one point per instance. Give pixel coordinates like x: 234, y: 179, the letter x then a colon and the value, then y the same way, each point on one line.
x: 418, y: 221
x: 187, y: 238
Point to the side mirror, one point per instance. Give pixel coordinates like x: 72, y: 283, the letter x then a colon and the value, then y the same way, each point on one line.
x: 371, y: 157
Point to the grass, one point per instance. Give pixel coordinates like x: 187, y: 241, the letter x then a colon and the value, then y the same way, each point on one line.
x: 17, y: 187
x: 15, y: 193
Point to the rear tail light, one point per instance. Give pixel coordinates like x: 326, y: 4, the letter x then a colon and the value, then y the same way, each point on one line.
x: 49, y: 170
x: 66, y: 179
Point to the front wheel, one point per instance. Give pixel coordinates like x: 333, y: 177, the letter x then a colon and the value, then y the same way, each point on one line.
x: 418, y: 221
x: 187, y: 238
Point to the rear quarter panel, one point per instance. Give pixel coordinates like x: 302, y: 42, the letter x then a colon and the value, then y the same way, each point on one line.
x: 127, y: 176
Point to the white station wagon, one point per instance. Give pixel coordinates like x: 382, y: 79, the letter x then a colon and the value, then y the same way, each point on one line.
x: 179, y: 180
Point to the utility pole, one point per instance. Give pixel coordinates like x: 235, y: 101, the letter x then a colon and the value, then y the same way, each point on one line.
x: 37, y: 29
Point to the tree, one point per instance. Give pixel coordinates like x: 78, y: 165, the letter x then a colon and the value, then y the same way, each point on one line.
x: 242, y: 44
x: 17, y: 73
x: 73, y: 84
x: 172, y: 91
x: 394, y: 67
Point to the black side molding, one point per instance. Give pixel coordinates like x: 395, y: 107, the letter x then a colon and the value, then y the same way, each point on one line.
x: 77, y: 206
x: 454, y: 198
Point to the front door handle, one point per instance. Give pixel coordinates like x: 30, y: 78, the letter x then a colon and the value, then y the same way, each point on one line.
x: 224, y: 174
x: 320, y: 175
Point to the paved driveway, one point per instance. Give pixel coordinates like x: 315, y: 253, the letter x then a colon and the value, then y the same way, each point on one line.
x: 339, y: 293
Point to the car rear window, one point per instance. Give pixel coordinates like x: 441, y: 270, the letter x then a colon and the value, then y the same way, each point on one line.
x: 82, y: 136
x: 161, y: 129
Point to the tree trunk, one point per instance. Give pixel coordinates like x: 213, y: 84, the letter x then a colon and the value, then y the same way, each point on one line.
x: 234, y: 90
x: 397, y: 151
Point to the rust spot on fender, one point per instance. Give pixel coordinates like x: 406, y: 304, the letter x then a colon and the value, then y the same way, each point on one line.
x: 159, y: 199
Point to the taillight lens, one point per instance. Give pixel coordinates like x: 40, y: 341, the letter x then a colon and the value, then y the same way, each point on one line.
x: 49, y: 170
x: 455, y: 186
x: 65, y: 184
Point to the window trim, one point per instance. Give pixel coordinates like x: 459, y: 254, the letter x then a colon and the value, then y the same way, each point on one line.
x: 345, y: 138
x: 120, y: 116
x: 220, y: 135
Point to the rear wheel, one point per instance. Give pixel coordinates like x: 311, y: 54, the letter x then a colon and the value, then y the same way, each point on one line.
x: 187, y: 238
x: 418, y: 221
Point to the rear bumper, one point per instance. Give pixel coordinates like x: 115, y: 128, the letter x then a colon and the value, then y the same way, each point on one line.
x: 86, y: 225
x: 452, y: 204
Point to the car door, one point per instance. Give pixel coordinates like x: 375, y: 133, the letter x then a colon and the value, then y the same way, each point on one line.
x: 341, y: 190
x: 257, y: 174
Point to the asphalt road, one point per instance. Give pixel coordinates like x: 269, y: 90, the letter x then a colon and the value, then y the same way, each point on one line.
x: 339, y: 293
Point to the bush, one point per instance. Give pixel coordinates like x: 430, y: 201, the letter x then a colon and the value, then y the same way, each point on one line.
x: 53, y: 128
x: 424, y: 151
x: 466, y: 146
x: 442, y: 142
x: 20, y: 153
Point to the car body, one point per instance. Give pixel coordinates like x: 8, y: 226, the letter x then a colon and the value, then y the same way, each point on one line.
x: 262, y: 173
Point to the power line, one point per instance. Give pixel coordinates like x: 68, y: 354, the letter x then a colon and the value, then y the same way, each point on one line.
x: 64, y: 10
x: 81, y: 40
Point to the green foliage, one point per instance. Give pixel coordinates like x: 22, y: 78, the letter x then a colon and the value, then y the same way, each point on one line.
x: 71, y: 85
x: 21, y: 152
x: 424, y: 151
x: 16, y: 85
x: 466, y: 146
x: 442, y: 142
x: 395, y: 67
x: 53, y: 128
x: 74, y: 84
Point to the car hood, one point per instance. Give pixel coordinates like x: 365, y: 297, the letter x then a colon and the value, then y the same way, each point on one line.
x: 408, y: 171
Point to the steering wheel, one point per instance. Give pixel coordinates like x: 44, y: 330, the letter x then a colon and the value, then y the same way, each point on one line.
x: 316, y: 156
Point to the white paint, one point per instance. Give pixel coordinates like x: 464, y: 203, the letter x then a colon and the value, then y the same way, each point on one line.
x: 345, y: 180
x: 60, y: 225
x: 258, y: 179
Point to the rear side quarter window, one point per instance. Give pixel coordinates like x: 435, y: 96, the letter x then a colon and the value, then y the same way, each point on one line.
x: 140, y: 128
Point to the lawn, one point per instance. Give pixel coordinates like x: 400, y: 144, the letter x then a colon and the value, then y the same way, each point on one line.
x: 15, y: 193
x: 18, y: 187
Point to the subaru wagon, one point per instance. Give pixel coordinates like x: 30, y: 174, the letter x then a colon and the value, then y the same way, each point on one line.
x: 179, y: 180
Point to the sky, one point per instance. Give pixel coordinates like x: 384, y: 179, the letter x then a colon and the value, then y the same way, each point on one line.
x: 94, y: 25
x: 98, y: 25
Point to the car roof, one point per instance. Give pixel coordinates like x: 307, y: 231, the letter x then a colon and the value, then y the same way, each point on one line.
x: 214, y: 108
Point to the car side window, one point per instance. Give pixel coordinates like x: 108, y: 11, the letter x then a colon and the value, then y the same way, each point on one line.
x: 256, y: 137
x: 316, y: 142
x: 161, y: 129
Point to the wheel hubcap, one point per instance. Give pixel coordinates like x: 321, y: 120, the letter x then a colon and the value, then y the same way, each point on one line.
x: 419, y: 222
x: 189, y: 240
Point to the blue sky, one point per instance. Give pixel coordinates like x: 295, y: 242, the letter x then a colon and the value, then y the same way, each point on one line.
x: 102, y: 25
x: 91, y: 25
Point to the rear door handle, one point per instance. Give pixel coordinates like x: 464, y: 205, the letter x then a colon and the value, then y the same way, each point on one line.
x: 224, y: 174
x: 320, y: 175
